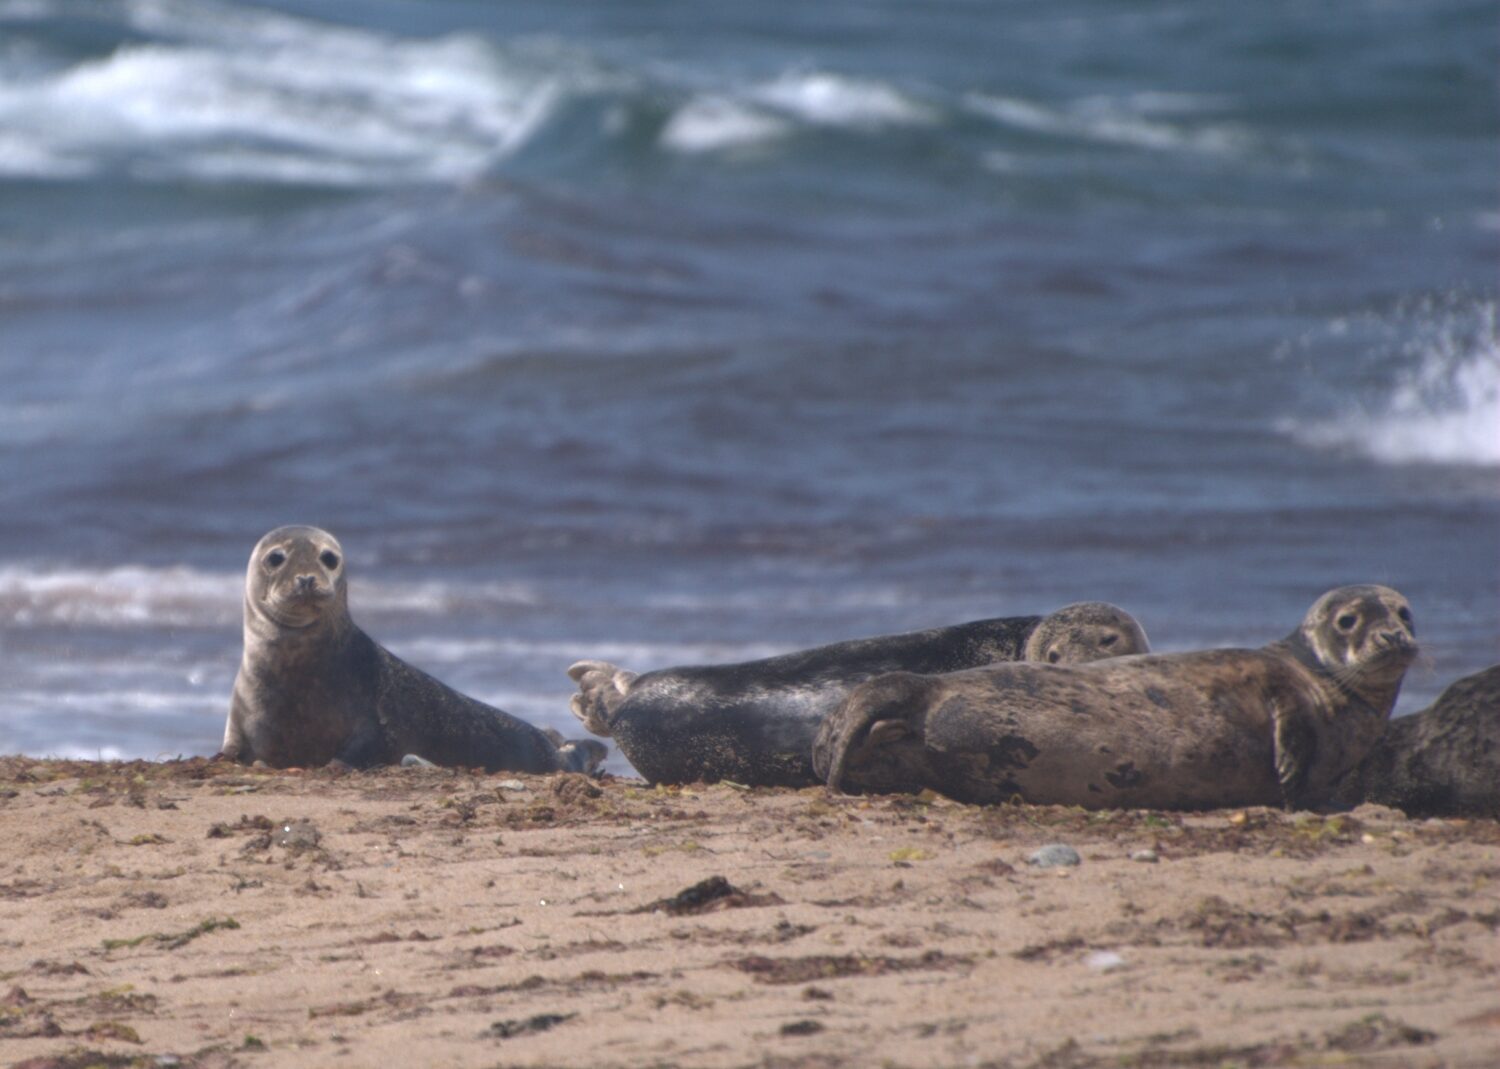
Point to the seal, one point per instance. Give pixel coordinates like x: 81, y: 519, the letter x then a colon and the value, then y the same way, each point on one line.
x: 754, y: 722
x: 1441, y: 762
x: 1227, y: 727
x: 314, y: 689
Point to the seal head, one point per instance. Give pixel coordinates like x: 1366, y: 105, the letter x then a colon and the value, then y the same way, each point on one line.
x: 295, y: 583
x: 1364, y: 638
x: 1085, y: 631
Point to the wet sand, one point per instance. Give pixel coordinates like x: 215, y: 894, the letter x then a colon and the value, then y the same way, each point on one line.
x: 197, y: 914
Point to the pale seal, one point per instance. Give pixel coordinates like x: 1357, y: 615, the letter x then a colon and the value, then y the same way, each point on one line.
x: 754, y: 722
x: 314, y: 689
x: 1443, y: 761
x: 1228, y: 727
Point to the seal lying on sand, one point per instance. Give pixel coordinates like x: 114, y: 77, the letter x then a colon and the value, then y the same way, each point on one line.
x: 1443, y: 761
x: 314, y: 689
x: 1171, y: 731
x: 754, y: 722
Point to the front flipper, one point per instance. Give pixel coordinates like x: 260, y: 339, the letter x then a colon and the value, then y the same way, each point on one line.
x: 1296, y: 748
x: 362, y: 750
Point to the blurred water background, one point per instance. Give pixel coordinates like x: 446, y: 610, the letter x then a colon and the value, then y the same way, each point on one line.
x: 672, y: 333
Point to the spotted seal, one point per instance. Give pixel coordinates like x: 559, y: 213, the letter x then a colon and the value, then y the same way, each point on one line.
x: 1227, y: 727
x: 754, y: 722
x: 1443, y: 761
x: 314, y: 689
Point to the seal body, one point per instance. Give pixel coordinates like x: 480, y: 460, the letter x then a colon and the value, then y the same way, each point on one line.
x: 1443, y: 761
x: 314, y: 689
x: 1280, y: 724
x: 754, y: 722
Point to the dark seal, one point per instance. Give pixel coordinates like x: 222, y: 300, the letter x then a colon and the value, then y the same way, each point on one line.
x: 1441, y: 762
x: 754, y: 722
x: 314, y: 689
x: 1230, y: 727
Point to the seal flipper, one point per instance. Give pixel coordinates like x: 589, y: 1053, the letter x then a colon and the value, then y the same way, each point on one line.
x: 1296, y: 746
x: 602, y: 688
x: 876, y: 717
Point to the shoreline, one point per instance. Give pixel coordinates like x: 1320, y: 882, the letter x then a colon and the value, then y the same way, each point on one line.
x: 198, y: 914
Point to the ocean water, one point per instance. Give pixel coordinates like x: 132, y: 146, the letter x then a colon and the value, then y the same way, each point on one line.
x: 672, y: 334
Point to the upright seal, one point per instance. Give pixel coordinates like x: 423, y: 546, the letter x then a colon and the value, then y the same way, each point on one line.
x: 1229, y: 727
x: 1441, y: 762
x: 754, y: 722
x: 314, y: 689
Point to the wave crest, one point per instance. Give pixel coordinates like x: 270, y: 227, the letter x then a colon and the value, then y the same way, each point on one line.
x: 1442, y: 408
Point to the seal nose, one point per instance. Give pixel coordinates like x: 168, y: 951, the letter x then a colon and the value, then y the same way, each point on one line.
x: 306, y: 584
x: 1391, y: 640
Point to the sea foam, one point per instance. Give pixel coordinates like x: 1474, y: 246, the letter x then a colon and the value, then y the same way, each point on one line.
x: 1139, y: 120
x: 231, y: 94
x: 1442, y: 408
x: 755, y: 114
x: 139, y: 596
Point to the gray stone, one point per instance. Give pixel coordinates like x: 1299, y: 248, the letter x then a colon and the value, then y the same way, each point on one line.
x: 1054, y: 855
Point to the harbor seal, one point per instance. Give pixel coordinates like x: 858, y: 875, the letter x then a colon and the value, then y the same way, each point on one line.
x: 314, y: 689
x: 754, y: 722
x: 1227, y: 727
x: 1441, y: 762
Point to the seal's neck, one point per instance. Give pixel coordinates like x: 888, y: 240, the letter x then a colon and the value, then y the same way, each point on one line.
x: 324, y: 636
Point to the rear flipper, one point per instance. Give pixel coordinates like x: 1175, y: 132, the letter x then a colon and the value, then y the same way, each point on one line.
x: 601, y: 689
x: 874, y: 740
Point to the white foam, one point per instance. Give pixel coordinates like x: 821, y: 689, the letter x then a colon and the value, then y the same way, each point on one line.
x: 134, y: 596
x: 1130, y: 121
x: 236, y: 94
x: 758, y: 114
x: 70, y: 751
x: 716, y: 123
x: 124, y: 596
x: 637, y: 656
x: 1444, y: 409
x: 835, y: 100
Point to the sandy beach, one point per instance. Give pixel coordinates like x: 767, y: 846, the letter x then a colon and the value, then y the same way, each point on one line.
x: 198, y: 914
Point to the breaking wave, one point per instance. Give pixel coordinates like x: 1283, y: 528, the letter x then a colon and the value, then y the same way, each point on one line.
x: 223, y: 93
x: 1443, y: 407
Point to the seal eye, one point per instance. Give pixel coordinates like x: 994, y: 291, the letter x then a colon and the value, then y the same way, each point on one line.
x: 1347, y: 621
x: 275, y: 559
x: 1405, y: 616
x: 1053, y: 656
x: 329, y: 558
x: 1109, y: 640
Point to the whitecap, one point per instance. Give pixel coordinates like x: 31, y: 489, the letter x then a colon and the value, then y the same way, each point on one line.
x: 140, y: 596
x: 228, y: 94
x: 1443, y: 408
x: 716, y: 123
x: 1125, y: 121
x: 639, y: 656
x: 836, y: 100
